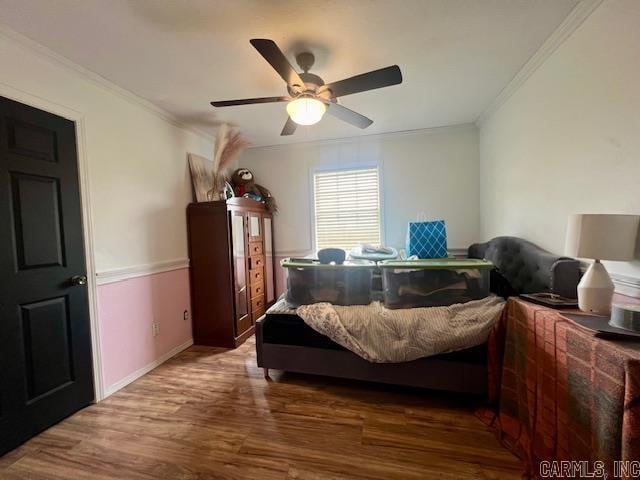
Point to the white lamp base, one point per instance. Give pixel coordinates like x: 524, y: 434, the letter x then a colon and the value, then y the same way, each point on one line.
x: 595, y: 290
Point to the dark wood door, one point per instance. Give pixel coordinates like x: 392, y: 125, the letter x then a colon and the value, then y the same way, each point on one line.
x: 45, y: 342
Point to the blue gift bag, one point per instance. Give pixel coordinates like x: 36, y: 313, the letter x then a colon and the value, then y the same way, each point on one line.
x: 427, y: 239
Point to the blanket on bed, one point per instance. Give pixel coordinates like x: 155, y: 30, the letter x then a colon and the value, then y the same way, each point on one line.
x: 382, y: 335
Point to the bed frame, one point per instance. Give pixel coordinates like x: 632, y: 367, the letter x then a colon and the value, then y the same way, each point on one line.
x: 523, y: 268
x: 436, y: 372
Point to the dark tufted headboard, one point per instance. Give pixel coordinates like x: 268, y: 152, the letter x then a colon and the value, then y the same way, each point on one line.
x: 523, y: 267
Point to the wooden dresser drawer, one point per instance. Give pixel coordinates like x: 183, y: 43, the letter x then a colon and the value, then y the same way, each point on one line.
x: 257, y: 289
x: 256, y: 261
x: 256, y: 276
x: 255, y: 315
x: 255, y: 248
x: 257, y: 304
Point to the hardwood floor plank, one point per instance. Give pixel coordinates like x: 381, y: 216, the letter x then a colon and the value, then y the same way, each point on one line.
x: 10, y: 458
x: 451, y: 445
x: 74, y: 465
x: 208, y: 413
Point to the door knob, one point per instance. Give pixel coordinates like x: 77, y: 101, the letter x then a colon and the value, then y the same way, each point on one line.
x: 78, y: 280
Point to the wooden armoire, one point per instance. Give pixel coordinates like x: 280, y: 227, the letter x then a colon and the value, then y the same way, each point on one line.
x: 232, y: 269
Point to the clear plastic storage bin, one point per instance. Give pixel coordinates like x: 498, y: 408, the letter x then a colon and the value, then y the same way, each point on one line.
x: 434, y: 282
x: 313, y: 282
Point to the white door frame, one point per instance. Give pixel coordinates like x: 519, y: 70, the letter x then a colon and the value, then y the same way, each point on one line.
x: 87, y: 220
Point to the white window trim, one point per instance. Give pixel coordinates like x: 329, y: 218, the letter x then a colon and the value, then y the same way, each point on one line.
x: 344, y: 167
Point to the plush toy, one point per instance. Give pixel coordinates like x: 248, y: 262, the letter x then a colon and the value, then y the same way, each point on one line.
x: 245, y: 186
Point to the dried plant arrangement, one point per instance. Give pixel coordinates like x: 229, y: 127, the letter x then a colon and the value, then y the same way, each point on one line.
x: 229, y: 144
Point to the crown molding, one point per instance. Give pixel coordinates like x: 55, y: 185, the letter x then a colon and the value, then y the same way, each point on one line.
x: 127, y: 273
x: 107, y: 85
x: 576, y: 17
x: 462, y: 127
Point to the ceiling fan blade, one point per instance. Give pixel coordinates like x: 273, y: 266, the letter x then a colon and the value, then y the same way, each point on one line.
x: 383, y: 77
x: 289, y: 127
x: 272, y: 54
x: 249, y: 101
x: 347, y: 115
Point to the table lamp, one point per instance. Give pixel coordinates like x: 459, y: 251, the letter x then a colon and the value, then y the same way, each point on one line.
x: 600, y: 237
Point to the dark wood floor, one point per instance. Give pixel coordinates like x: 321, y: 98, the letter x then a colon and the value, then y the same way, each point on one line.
x: 209, y: 414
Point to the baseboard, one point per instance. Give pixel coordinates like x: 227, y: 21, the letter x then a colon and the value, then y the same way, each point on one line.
x: 146, y: 369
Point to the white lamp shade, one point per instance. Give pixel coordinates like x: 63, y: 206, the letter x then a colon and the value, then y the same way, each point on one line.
x: 602, y: 236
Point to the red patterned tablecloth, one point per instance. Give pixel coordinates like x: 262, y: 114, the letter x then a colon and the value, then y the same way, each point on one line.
x: 559, y: 392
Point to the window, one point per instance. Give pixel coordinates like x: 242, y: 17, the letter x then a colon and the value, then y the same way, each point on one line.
x: 347, y: 208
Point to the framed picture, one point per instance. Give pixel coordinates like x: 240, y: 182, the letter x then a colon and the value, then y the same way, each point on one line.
x: 201, y: 170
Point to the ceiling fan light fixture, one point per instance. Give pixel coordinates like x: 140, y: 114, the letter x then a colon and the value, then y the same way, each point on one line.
x: 306, y: 110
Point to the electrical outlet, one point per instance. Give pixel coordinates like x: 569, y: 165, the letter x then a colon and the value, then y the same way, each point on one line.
x: 155, y: 329
x: 185, y: 315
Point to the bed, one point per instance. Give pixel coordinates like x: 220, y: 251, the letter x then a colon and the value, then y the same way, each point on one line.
x: 285, y: 342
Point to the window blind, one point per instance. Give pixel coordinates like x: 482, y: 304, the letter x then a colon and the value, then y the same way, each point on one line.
x: 347, y: 208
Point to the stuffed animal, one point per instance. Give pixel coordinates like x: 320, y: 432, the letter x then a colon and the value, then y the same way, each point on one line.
x: 245, y: 186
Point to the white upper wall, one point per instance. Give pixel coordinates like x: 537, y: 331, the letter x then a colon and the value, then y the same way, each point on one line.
x: 568, y: 141
x: 455, y: 56
x: 138, y: 177
x: 431, y: 173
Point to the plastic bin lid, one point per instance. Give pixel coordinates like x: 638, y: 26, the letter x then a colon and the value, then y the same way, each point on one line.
x: 304, y: 263
x: 438, y: 264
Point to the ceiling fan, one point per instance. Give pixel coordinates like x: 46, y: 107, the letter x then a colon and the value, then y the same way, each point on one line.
x: 309, y: 97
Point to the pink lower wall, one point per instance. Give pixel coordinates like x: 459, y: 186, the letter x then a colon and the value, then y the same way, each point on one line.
x: 127, y: 310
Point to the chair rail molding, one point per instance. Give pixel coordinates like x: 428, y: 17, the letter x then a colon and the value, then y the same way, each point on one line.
x: 456, y: 251
x: 120, y: 274
x: 625, y: 285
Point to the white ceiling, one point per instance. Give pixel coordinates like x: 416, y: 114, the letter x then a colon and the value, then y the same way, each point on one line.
x: 455, y: 55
